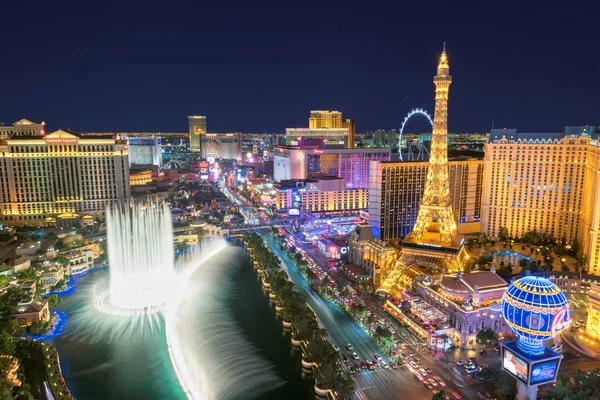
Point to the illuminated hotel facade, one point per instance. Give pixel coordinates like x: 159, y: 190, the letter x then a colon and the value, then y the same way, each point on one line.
x: 197, y: 128
x: 328, y: 128
x: 22, y: 127
x: 396, y: 188
x: 57, y: 178
x: 325, y: 119
x: 294, y: 162
x: 323, y: 195
x: 548, y: 182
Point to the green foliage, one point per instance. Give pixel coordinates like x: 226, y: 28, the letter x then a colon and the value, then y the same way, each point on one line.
x: 28, y: 275
x: 504, y: 387
x: 7, y: 346
x: 60, y: 284
x: 53, y: 300
x: 4, y: 280
x: 38, y: 327
x: 8, y: 302
x: 503, y: 233
x: 51, y: 236
x: 486, y: 335
x: 64, y: 261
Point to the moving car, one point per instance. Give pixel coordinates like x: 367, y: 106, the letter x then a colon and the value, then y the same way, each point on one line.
x: 461, y: 362
x: 349, y: 346
x: 393, y: 365
x: 439, y: 380
x: 473, y: 359
x: 471, y: 370
x: 344, y: 358
x: 432, y: 381
x: 423, y: 371
x: 355, y: 355
x: 384, y: 365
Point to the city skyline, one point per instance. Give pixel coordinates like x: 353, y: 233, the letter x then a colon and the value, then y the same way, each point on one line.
x: 149, y: 72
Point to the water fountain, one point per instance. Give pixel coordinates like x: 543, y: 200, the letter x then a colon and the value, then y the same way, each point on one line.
x: 145, y: 291
x: 140, y: 253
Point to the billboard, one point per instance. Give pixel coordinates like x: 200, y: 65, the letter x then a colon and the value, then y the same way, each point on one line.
x: 294, y: 211
x: 515, y: 365
x: 544, y: 372
x: 281, y: 168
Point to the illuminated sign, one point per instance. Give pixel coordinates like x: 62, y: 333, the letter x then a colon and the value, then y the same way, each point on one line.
x: 344, y: 250
x: 544, y: 372
x: 294, y: 212
x: 561, y: 321
x: 296, y: 199
x: 141, y: 142
x: 515, y: 365
x: 62, y: 140
x: 203, y: 165
x: 199, y: 131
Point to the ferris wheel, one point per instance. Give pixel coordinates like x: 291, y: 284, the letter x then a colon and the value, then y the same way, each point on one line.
x: 412, y: 113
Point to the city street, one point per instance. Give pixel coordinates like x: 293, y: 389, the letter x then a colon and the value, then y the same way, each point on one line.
x: 377, y: 384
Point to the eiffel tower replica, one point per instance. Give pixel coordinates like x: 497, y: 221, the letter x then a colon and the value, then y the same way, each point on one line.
x: 434, y: 244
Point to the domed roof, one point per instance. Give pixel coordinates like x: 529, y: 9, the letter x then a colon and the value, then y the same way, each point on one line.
x: 455, y: 287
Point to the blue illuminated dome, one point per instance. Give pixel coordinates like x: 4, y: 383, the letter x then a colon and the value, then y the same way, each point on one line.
x: 536, y: 310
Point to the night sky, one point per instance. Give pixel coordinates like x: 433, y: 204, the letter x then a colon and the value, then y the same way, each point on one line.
x: 251, y: 68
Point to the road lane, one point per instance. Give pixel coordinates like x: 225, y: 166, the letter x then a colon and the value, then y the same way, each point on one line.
x: 378, y: 384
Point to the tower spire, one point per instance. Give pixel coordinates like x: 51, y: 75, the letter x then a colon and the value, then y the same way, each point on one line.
x: 434, y: 238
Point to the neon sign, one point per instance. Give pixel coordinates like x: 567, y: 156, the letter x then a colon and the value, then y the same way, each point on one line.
x: 560, y: 322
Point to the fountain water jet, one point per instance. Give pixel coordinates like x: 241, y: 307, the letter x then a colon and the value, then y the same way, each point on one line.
x: 140, y: 253
x: 146, y: 289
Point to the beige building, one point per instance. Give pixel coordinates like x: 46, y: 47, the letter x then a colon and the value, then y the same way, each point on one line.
x: 50, y: 274
x: 545, y: 182
x: 22, y: 127
x: 325, y: 119
x: 326, y: 194
x: 34, y: 310
x: 469, y: 302
x: 396, y: 188
x: 593, y: 319
x: 374, y: 255
x: 80, y: 261
x: 57, y: 178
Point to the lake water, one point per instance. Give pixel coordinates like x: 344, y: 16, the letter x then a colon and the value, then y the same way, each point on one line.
x: 100, y: 366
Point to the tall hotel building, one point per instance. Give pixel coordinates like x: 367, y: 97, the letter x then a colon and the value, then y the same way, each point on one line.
x: 226, y: 146
x: 396, y: 189
x: 326, y: 127
x: 197, y: 128
x: 294, y: 162
x: 60, y: 177
x: 547, y: 182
